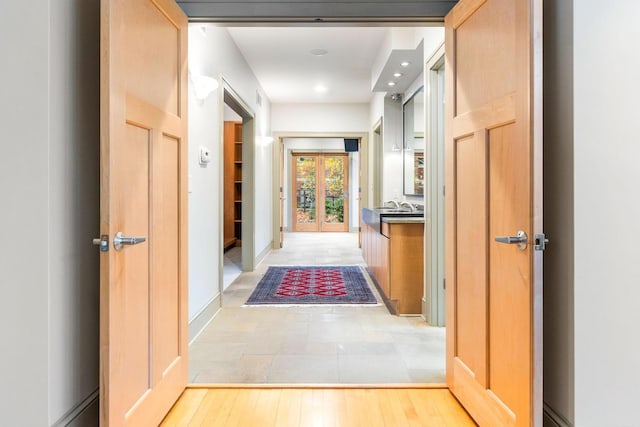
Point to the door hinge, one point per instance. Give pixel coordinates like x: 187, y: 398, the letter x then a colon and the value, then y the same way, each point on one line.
x: 540, y: 242
x: 281, y: 189
x: 444, y: 283
x: 281, y: 229
x: 443, y: 190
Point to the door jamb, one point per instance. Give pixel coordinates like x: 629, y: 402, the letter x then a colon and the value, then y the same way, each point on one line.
x: 227, y: 95
x: 434, y: 293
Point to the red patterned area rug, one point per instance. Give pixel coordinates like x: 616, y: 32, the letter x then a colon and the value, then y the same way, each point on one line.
x: 313, y: 285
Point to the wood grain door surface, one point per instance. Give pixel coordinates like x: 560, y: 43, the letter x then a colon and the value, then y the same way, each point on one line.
x: 493, y: 183
x: 143, y: 287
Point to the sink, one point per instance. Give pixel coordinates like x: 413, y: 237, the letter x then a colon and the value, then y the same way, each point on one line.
x: 374, y: 216
x: 389, y: 211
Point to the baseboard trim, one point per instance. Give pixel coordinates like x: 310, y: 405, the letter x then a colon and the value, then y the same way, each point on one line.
x: 202, y: 319
x: 263, y: 254
x: 74, y: 413
x: 553, y: 419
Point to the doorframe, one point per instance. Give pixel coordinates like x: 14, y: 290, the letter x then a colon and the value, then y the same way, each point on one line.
x: 228, y: 96
x: 377, y: 152
x: 434, y: 268
x: 320, y: 179
x: 278, y: 162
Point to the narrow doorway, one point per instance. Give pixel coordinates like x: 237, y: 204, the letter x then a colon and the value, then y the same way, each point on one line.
x: 320, y: 186
x: 232, y: 211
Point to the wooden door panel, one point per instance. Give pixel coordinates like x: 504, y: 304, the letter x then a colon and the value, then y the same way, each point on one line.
x: 153, y: 77
x: 143, y: 288
x: 130, y: 198
x: 509, y: 329
x: 492, y: 132
x: 485, y: 48
x: 165, y: 267
x: 471, y: 274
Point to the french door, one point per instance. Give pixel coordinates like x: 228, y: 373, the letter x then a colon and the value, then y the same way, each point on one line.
x: 321, y: 196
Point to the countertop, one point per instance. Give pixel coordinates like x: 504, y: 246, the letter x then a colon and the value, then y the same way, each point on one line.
x: 402, y: 219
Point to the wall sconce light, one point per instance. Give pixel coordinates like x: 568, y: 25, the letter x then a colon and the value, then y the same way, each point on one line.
x: 203, y: 86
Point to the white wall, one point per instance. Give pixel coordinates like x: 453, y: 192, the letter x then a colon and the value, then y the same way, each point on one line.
x: 49, y: 208
x: 320, y: 145
x: 24, y: 187
x: 74, y: 188
x: 320, y: 118
x: 607, y: 208
x: 215, y: 54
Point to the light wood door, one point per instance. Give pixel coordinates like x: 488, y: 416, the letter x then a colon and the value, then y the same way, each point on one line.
x: 320, y: 192
x: 143, y: 287
x: 493, y: 183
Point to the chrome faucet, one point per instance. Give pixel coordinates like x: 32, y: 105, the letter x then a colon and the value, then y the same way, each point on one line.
x: 394, y: 203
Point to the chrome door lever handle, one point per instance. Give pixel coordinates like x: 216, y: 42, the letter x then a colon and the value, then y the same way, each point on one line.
x: 519, y: 239
x: 120, y: 240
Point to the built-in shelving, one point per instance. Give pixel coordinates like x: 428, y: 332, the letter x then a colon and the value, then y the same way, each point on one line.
x: 232, y: 184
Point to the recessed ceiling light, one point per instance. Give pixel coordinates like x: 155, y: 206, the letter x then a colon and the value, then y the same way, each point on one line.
x: 391, y: 83
x: 320, y: 88
x: 405, y: 64
x: 397, y: 74
x: 318, y: 52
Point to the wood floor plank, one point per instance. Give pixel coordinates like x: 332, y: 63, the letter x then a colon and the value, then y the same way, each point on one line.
x: 266, y: 407
x: 182, y: 412
x: 243, y: 408
x: 215, y: 408
x: 288, y: 413
x: 317, y: 406
x: 425, y: 406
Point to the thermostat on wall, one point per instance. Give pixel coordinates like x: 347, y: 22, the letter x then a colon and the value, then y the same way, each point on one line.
x: 205, y: 155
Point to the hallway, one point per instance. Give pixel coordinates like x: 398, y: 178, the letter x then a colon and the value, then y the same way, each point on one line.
x: 314, y: 344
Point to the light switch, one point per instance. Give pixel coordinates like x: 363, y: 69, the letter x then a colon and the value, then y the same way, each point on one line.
x: 205, y: 155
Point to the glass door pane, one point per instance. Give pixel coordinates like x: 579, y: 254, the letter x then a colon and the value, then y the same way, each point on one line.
x: 335, y: 217
x: 305, y: 171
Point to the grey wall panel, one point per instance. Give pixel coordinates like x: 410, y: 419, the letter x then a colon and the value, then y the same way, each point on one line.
x: 559, y: 208
x: 74, y: 159
x: 310, y: 10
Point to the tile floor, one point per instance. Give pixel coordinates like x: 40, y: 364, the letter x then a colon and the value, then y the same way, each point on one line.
x: 314, y: 344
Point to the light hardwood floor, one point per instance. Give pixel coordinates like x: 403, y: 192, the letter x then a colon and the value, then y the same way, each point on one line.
x: 285, y: 407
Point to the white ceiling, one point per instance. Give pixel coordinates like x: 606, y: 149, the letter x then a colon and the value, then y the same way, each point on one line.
x: 281, y: 61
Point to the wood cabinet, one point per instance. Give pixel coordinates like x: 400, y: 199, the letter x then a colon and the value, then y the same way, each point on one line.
x: 232, y: 184
x: 395, y: 257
